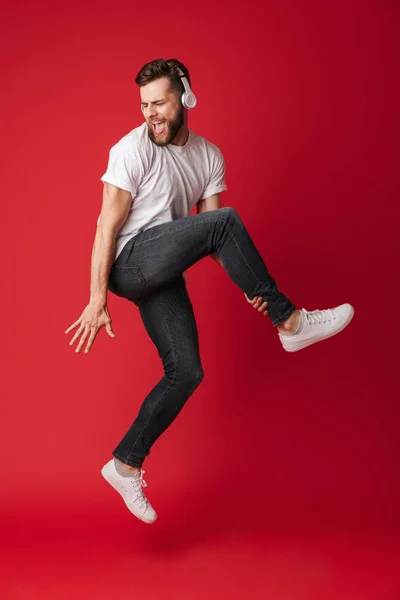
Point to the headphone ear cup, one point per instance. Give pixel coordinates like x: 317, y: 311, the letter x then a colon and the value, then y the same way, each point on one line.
x: 189, y: 100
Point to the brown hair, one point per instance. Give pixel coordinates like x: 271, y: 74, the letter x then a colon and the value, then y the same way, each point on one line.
x: 163, y: 68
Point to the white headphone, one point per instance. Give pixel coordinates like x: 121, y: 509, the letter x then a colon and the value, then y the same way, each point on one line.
x: 189, y: 100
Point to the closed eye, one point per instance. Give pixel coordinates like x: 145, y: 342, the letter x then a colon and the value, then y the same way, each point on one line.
x: 155, y: 103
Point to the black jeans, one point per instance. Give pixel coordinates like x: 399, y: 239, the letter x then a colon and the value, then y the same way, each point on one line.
x: 148, y: 272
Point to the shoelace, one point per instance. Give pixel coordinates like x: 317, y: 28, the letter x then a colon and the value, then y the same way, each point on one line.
x: 318, y: 316
x: 137, y: 484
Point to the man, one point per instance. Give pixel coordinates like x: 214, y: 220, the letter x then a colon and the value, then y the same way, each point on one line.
x: 146, y: 240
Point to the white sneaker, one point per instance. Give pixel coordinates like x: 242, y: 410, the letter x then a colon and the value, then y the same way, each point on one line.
x: 131, y: 490
x: 316, y: 326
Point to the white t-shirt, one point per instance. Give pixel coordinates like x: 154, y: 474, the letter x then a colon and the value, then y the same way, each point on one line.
x: 165, y: 182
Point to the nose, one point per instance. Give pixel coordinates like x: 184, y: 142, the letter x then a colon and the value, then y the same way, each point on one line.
x: 150, y: 111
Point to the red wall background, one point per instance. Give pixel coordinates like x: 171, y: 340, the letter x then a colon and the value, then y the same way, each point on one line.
x: 302, y: 98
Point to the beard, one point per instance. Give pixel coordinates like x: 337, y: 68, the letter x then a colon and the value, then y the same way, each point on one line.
x: 172, y: 127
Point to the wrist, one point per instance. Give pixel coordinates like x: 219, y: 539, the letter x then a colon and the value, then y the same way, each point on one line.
x: 98, y: 301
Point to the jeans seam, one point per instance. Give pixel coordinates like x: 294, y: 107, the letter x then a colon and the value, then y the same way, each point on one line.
x: 243, y: 256
x: 170, y: 384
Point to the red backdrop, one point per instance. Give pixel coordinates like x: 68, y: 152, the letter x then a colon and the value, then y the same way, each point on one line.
x: 302, y: 98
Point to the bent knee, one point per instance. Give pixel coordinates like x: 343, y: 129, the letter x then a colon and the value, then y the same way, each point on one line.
x: 228, y: 210
x: 229, y: 213
x: 192, y: 378
x: 200, y: 376
x: 188, y: 378
x: 195, y: 379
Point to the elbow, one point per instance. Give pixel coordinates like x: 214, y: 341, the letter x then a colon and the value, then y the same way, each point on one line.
x: 108, y: 229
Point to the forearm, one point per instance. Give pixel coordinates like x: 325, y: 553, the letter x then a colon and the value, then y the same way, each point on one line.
x: 102, y: 258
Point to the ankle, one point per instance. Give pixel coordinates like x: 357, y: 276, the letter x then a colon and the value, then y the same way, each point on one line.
x: 291, y: 324
x: 126, y: 467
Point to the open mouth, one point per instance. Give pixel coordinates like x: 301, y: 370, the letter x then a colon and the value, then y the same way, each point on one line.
x: 158, y: 127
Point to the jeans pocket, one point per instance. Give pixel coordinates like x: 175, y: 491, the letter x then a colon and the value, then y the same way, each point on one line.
x: 127, y: 282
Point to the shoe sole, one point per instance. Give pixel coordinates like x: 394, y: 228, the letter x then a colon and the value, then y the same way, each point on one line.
x: 110, y: 481
x: 329, y: 334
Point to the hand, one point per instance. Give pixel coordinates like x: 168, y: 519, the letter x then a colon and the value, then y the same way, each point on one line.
x: 91, y: 321
x: 256, y: 302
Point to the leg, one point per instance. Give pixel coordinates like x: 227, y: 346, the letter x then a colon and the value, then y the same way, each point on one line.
x: 161, y: 253
x: 168, y: 317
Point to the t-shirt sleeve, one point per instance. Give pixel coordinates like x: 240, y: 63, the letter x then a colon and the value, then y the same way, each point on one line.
x: 124, y: 169
x: 216, y: 182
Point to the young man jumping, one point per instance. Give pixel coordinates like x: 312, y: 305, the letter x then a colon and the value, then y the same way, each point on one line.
x: 146, y: 240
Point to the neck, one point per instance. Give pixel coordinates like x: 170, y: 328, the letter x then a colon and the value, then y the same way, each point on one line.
x: 182, y: 137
